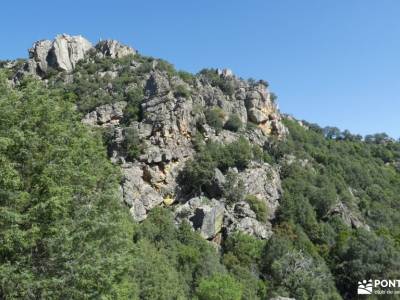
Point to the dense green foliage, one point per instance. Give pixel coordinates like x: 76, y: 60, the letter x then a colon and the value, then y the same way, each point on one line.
x: 333, y: 167
x: 315, y: 253
x: 59, y: 213
x: 219, y: 287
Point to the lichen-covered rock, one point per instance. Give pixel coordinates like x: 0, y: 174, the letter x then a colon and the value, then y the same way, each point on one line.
x: 204, y: 214
x: 158, y: 84
x: 137, y: 193
x: 263, y: 181
x: 108, y: 114
x: 242, y: 209
x: 253, y: 227
x: 241, y: 218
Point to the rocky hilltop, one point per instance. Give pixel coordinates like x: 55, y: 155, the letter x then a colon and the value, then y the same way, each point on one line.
x: 174, y: 111
x: 64, y: 52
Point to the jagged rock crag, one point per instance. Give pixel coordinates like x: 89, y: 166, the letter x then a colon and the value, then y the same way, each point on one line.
x: 169, y: 122
x: 63, y: 53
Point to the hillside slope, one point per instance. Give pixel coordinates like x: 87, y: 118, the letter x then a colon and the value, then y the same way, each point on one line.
x: 292, y: 209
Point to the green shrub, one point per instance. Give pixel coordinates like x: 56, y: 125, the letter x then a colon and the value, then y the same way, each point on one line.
x: 261, y: 155
x: 234, y: 123
x: 227, y: 86
x: 259, y: 207
x: 165, y: 66
x: 233, y: 189
x: 198, y: 172
x: 214, y: 118
x: 187, y: 77
x: 132, y: 111
x: 218, y: 287
x: 132, y: 145
x: 240, y: 152
x: 182, y: 91
x: 198, y: 142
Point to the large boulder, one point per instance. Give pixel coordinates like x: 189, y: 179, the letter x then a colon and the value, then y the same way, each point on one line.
x: 62, y: 53
x: 38, y: 56
x: 67, y: 51
x: 205, y: 215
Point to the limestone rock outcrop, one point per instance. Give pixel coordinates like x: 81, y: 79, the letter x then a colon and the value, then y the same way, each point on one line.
x: 114, y: 49
x: 169, y: 122
x: 263, y: 181
x: 64, y: 52
x: 138, y: 194
x: 61, y: 54
x: 108, y: 114
x: 171, y: 112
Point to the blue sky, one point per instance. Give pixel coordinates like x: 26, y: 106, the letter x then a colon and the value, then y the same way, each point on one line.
x: 331, y: 62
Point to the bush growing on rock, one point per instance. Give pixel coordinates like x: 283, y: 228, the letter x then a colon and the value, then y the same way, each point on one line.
x: 214, y: 118
x: 259, y: 207
x: 187, y: 77
x: 182, y: 91
x: 167, y: 67
x: 132, y: 111
x: 132, y: 144
x: 233, y: 189
x: 234, y: 123
x: 273, y: 97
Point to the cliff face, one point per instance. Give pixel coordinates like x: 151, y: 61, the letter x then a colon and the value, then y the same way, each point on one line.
x: 174, y: 111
